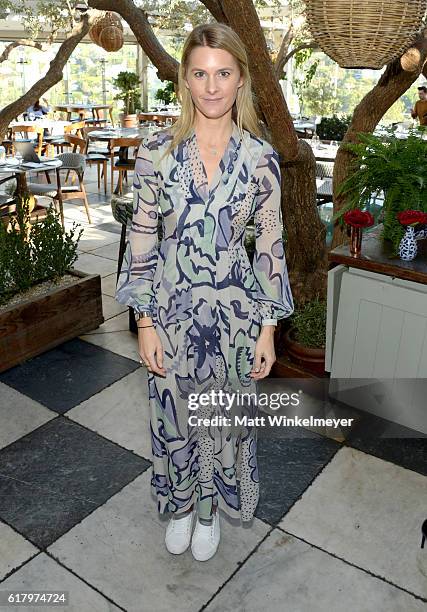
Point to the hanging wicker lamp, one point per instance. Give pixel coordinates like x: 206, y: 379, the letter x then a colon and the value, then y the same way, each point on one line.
x: 111, y: 38
x: 107, y: 31
x: 364, y: 33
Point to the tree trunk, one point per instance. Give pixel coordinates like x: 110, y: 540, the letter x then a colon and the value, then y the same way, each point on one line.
x: 396, y: 79
x: 306, y: 251
x: 305, y: 248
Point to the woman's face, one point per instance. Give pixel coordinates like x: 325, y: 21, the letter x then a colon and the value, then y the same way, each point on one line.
x: 213, y: 78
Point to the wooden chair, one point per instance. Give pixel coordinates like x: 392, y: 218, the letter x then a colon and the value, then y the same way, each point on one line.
x: 28, y: 129
x: 123, y: 164
x: 60, y: 142
x: 98, y: 116
x: 81, y: 146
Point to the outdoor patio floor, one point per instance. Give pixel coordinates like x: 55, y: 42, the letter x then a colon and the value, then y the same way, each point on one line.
x: 337, y: 526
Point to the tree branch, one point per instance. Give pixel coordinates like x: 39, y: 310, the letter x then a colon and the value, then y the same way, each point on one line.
x: 166, y: 65
x: 52, y: 76
x: 399, y: 75
x: 215, y: 8
x: 309, y: 45
x: 243, y: 18
x: 21, y: 42
x: 284, y: 47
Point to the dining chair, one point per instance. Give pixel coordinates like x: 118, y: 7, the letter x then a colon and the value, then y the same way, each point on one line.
x: 98, y: 117
x: 123, y: 164
x: 81, y: 146
x: 60, y: 142
x: 28, y: 129
x: 75, y: 162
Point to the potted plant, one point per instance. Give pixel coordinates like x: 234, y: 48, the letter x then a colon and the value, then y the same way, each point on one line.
x: 391, y: 167
x: 305, y: 339
x: 166, y: 95
x: 43, y: 301
x: 128, y: 84
x: 333, y: 128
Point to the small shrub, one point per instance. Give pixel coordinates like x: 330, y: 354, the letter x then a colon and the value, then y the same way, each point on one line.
x: 31, y: 254
x: 333, y: 128
x: 309, y: 323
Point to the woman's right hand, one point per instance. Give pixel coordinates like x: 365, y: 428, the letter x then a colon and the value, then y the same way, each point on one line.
x: 151, y: 350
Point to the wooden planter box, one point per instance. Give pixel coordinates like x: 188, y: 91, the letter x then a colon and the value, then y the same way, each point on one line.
x: 38, y: 324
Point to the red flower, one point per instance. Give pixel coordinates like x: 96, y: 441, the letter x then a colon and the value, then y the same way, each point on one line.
x: 358, y: 218
x: 411, y: 217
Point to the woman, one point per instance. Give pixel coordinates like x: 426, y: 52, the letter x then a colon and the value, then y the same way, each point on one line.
x: 206, y: 318
x: 38, y: 110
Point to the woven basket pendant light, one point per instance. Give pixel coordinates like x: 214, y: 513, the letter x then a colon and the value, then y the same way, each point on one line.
x: 107, y: 31
x: 364, y: 33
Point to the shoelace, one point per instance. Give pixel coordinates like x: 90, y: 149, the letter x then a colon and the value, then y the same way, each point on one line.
x: 184, y: 526
x: 211, y: 528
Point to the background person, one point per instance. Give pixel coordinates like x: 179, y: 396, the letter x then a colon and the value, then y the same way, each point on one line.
x: 420, y: 109
x: 37, y: 110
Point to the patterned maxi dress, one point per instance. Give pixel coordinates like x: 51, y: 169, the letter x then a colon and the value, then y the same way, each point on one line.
x: 207, y: 303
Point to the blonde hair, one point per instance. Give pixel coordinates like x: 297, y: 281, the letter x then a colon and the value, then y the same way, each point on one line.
x: 216, y: 36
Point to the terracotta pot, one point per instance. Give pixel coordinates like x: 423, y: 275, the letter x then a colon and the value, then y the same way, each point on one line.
x: 129, y: 121
x: 311, y: 359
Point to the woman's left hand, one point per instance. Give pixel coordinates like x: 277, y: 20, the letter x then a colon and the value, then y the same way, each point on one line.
x: 265, y: 355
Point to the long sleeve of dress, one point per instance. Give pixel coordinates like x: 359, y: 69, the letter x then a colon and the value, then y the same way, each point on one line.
x: 135, y: 283
x: 274, y: 294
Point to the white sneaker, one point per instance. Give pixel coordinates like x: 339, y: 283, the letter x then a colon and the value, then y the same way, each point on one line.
x: 178, y: 533
x: 205, y: 540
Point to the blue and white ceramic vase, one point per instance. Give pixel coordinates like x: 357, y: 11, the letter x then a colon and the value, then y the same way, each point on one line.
x: 408, y: 245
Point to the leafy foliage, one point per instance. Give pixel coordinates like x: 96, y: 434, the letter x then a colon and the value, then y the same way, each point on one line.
x: 309, y: 323
x: 31, y: 254
x: 167, y: 94
x: 392, y: 166
x: 333, y: 128
x: 128, y: 83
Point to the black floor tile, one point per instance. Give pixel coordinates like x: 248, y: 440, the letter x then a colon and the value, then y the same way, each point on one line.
x: 287, y: 464
x: 56, y: 475
x: 68, y: 374
x: 113, y: 227
x: 391, y: 442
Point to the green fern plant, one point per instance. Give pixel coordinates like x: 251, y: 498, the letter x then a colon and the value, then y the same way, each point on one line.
x: 390, y: 166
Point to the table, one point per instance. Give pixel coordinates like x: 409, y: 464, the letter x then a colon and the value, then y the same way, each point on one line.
x: 323, y: 152
x: 113, y: 133
x: 55, y: 127
x: 107, y: 135
x: 19, y: 171
x: 82, y: 109
x: 155, y: 115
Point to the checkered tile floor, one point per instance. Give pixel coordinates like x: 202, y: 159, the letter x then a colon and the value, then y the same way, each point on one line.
x: 337, y: 526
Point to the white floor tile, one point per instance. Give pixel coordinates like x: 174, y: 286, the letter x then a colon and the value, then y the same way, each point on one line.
x: 14, y: 550
x: 19, y: 415
x: 120, y: 413
x: 120, y: 550
x: 288, y: 574
x: 44, y: 574
x: 368, y: 512
x: 94, y: 265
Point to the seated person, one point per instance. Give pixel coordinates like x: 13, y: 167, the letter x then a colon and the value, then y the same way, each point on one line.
x: 37, y: 110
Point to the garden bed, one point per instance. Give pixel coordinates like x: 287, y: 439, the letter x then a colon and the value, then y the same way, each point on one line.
x: 37, y: 320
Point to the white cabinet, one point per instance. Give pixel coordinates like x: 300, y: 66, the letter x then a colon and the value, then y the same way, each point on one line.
x: 377, y: 330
